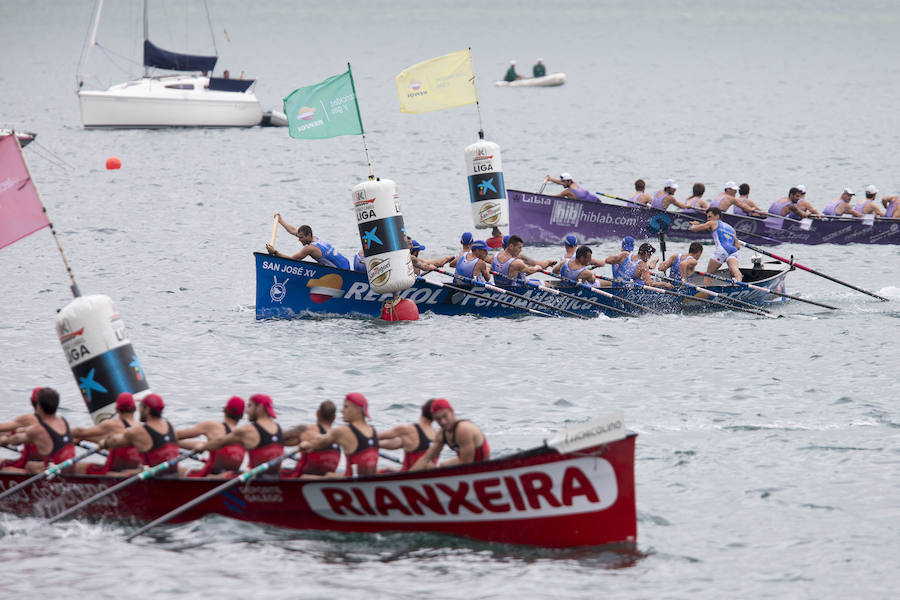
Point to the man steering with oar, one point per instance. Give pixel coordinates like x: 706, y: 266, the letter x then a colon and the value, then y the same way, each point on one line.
x: 727, y: 244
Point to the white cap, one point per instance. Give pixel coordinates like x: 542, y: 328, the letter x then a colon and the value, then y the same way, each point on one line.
x: 540, y: 60
x: 871, y: 190
x: 801, y: 187
x: 670, y: 183
x: 849, y: 191
x: 731, y: 186
x: 512, y: 62
x: 565, y: 176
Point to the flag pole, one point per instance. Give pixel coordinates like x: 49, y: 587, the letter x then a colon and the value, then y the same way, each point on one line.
x: 76, y: 291
x: 361, y: 128
x: 477, y: 104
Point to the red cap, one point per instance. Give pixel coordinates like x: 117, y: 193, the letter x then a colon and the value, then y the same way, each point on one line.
x: 359, y: 400
x: 235, y: 407
x: 440, y: 404
x: 264, y: 401
x: 154, y: 402
x: 34, y: 394
x: 125, y: 402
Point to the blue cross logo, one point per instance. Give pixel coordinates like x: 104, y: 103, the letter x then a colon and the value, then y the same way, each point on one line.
x: 87, y: 384
x: 370, y: 238
x: 487, y: 184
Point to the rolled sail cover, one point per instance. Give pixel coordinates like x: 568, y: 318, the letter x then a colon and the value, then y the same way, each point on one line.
x: 99, y: 353
x: 383, y: 236
x: 490, y: 208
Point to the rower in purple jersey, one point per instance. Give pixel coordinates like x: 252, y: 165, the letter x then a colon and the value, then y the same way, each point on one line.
x: 868, y: 206
x: 640, y: 195
x: 789, y: 205
x: 572, y: 189
x: 727, y: 244
x: 665, y: 197
x: 744, y: 206
x: 891, y: 206
x: 841, y: 206
x: 696, y: 203
x: 726, y: 199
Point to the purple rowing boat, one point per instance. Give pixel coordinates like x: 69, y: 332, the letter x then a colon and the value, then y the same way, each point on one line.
x: 540, y: 219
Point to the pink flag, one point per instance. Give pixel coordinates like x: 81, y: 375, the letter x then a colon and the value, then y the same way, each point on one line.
x: 21, y: 212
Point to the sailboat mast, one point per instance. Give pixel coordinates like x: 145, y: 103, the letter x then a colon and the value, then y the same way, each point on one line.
x: 91, y: 43
x: 146, y: 37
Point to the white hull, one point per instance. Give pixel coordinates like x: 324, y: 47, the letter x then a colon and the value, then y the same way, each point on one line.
x: 153, y: 102
x: 553, y: 79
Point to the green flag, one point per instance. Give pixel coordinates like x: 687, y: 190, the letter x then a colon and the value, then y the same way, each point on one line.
x: 324, y: 110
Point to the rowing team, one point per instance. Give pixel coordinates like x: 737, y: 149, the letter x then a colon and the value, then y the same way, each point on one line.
x: 475, y: 264
x: 47, y: 438
x: 794, y: 204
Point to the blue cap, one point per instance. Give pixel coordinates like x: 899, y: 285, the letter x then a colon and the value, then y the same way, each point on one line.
x: 505, y: 240
x: 571, y: 240
x: 466, y: 238
x: 414, y: 245
x: 479, y: 245
x: 627, y: 243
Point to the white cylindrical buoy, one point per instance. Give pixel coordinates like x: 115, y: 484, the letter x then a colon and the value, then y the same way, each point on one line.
x: 490, y: 208
x: 100, y: 355
x: 383, y: 236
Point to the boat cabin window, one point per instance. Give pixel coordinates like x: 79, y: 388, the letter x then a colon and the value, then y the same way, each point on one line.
x: 181, y: 86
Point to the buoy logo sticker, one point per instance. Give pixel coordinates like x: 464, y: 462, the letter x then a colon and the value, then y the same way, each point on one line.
x: 306, y: 113
x: 379, y: 271
x: 415, y: 86
x: 489, y: 214
x: 278, y: 290
x: 325, y: 288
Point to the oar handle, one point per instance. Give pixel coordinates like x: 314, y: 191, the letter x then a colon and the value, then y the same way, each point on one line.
x: 274, y: 231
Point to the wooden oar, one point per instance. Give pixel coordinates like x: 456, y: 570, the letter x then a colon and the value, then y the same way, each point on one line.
x: 484, y: 297
x: 51, y: 471
x: 813, y: 271
x: 753, y: 310
x: 605, y: 294
x: 274, y: 232
x: 763, y: 289
x: 495, y: 288
x: 557, y: 292
x: 242, y: 478
x: 142, y: 476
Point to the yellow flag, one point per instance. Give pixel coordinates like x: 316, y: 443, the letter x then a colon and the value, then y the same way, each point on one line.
x: 436, y: 84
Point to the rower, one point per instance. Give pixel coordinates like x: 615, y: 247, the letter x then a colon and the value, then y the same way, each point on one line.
x: 424, y: 264
x: 225, y: 461
x: 413, y: 438
x: 119, y: 461
x: 357, y: 439
x: 891, y: 206
x: 155, y: 441
x: 465, y: 241
x: 510, y: 268
x: 681, y: 266
x: 319, y: 250
x: 727, y: 244
x: 788, y: 206
x: 639, y: 267
x: 640, y: 195
x: 696, y: 203
x: 571, y: 188
x: 576, y: 268
x: 867, y: 206
x: 665, y: 197
x: 20, y: 423
x: 474, y: 265
x: 462, y: 436
x: 617, y: 260
x: 744, y: 206
x: 50, y: 436
x: 805, y: 206
x: 841, y: 206
x: 318, y: 462
x: 262, y: 438
x: 726, y: 199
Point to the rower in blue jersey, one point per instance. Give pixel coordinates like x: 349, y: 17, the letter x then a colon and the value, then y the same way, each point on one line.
x: 319, y: 250
x: 622, y: 258
x: 681, y: 266
x: 509, y: 268
x: 359, y: 262
x: 473, y: 264
x: 465, y: 240
x: 727, y: 244
x: 577, y: 268
x: 639, y: 267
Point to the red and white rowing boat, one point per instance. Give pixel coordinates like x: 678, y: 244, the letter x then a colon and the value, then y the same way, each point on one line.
x: 575, y: 490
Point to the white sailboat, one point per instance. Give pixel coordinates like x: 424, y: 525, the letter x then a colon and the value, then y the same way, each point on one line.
x: 188, y: 98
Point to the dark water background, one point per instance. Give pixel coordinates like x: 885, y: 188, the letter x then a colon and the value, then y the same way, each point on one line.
x: 767, y: 462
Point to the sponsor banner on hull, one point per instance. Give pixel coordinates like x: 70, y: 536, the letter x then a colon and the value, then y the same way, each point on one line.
x: 576, y: 486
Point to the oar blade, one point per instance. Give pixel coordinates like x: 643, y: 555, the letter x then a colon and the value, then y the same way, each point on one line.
x: 601, y: 430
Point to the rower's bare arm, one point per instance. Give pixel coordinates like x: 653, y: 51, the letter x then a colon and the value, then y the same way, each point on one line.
x: 195, y: 431
x: 287, y: 226
x: 598, y: 262
x: 238, y: 435
x: 465, y: 438
x: 117, y: 440
x: 94, y: 433
x: 664, y: 265
x: 427, y: 459
x: 707, y: 226
x: 322, y: 441
x: 557, y: 268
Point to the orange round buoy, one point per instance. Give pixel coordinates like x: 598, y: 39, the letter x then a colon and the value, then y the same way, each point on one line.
x: 113, y: 162
x: 403, y: 310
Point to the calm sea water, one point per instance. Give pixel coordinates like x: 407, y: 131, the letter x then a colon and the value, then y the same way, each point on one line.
x: 768, y: 456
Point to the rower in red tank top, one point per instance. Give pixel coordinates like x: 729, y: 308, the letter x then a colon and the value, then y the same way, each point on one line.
x: 413, y: 438
x: 155, y: 441
x: 317, y: 462
x: 357, y: 439
x: 262, y: 438
x: 462, y: 436
x: 225, y: 461
x: 50, y: 437
x: 124, y: 460
x: 19, y: 424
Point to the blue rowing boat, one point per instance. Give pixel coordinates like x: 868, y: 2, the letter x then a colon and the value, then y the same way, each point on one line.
x: 287, y: 288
